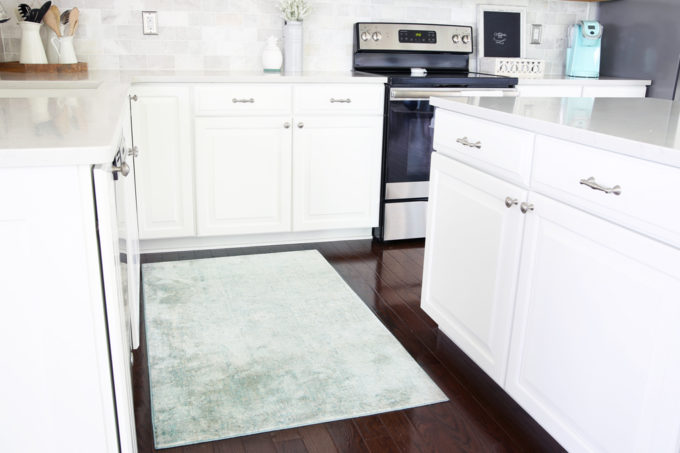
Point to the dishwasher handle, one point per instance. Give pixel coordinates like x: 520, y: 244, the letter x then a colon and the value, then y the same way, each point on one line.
x: 407, y: 94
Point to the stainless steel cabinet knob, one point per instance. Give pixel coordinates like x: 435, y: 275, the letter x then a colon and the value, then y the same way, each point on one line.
x: 526, y: 207
x: 134, y: 97
x: 134, y: 151
x: 510, y: 202
x: 124, y: 169
x: 286, y: 125
x: 301, y: 125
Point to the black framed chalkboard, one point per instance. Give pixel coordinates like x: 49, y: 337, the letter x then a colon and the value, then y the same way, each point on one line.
x: 502, y: 34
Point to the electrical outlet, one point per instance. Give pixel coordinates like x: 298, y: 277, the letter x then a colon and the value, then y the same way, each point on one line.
x: 150, y: 22
x: 536, y: 33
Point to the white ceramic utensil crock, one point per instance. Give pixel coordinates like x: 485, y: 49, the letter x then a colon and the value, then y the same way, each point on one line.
x: 32, y: 50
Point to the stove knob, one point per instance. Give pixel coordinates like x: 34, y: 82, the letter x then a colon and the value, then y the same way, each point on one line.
x: 376, y: 36
x: 455, y: 39
x: 466, y: 39
x: 365, y: 35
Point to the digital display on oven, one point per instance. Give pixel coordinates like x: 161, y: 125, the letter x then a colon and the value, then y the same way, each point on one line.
x: 418, y: 36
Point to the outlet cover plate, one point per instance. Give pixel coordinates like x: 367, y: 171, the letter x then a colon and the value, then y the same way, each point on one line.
x: 536, y: 33
x: 150, y: 22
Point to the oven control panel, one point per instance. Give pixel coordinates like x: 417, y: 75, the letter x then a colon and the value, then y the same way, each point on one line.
x: 413, y: 37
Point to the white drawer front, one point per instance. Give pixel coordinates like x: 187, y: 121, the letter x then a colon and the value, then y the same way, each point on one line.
x: 541, y: 91
x: 334, y: 98
x: 650, y: 193
x: 500, y: 150
x: 243, y: 99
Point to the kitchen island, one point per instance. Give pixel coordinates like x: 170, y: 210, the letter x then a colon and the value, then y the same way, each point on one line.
x: 552, y: 259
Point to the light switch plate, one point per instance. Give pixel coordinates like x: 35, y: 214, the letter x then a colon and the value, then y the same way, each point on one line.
x: 150, y: 22
x: 536, y: 33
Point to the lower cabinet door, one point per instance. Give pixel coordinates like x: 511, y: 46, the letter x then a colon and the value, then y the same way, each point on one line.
x: 336, y: 172
x: 595, y: 350
x: 472, y: 252
x: 243, y: 175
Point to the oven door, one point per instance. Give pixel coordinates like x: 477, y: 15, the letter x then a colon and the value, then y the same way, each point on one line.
x: 410, y: 131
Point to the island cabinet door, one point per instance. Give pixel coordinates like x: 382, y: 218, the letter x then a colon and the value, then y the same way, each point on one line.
x: 472, y: 247
x: 243, y: 175
x: 595, y: 341
x: 161, y: 128
x: 336, y: 172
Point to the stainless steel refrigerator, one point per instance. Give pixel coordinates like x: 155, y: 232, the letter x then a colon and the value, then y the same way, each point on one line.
x: 642, y: 40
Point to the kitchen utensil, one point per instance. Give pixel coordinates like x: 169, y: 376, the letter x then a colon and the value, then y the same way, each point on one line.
x: 24, y: 11
x: 64, y: 16
x: 51, y: 19
x: 40, y: 13
x: 32, y: 50
x: 73, y: 21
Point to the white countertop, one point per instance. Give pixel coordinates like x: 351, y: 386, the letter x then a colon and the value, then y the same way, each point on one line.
x: 93, y: 78
x: 74, y: 119
x: 584, y: 81
x: 70, y: 126
x: 640, y: 127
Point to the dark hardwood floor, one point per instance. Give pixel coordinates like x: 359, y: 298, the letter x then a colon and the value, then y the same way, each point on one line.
x: 479, y: 417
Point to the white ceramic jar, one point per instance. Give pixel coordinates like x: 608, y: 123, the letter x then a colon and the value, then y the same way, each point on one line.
x: 271, y: 56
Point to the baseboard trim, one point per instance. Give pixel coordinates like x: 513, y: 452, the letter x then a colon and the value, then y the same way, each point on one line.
x: 250, y: 240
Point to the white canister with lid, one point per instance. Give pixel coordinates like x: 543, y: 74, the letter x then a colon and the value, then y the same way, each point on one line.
x: 271, y: 56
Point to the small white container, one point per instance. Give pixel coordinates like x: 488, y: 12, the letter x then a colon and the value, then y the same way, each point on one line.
x: 63, y: 46
x: 292, y: 47
x: 272, y: 58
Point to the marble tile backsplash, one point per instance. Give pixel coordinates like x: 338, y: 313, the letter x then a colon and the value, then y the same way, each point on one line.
x: 230, y: 34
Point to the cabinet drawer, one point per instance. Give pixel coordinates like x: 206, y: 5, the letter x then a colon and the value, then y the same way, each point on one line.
x: 339, y: 98
x: 492, y: 147
x: 243, y: 99
x: 650, y: 193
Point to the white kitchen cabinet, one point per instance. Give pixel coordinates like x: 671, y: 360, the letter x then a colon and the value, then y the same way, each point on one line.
x: 243, y: 175
x: 336, y: 172
x: 596, y: 333
x: 474, y: 235
x: 161, y: 127
x: 635, y: 91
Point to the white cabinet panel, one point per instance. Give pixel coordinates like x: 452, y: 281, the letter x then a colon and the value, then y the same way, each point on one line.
x: 647, y: 189
x: 243, y: 175
x: 501, y: 150
x: 161, y: 127
x: 336, y: 98
x: 336, y: 172
x: 594, y: 355
x: 471, y: 260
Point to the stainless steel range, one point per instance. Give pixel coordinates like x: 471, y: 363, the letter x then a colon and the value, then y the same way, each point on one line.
x: 419, y: 60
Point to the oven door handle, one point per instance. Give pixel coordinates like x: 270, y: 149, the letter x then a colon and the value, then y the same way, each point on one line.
x: 413, y: 94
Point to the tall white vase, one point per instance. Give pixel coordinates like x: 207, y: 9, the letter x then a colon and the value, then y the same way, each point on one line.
x: 292, y: 47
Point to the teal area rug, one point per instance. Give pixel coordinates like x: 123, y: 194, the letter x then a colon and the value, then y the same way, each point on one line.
x: 248, y: 344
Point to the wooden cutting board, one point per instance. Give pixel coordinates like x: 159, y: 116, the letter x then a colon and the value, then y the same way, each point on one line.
x: 15, y: 66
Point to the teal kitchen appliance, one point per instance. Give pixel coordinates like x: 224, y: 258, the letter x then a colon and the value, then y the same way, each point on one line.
x: 583, y: 54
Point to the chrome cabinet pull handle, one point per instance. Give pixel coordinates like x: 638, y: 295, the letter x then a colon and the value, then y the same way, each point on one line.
x: 286, y: 125
x: 243, y: 101
x: 341, y: 101
x: 526, y: 207
x: 510, y: 202
x: 134, y: 151
x: 124, y: 169
x: 301, y: 125
x: 134, y: 97
x: 590, y: 182
x: 465, y: 142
